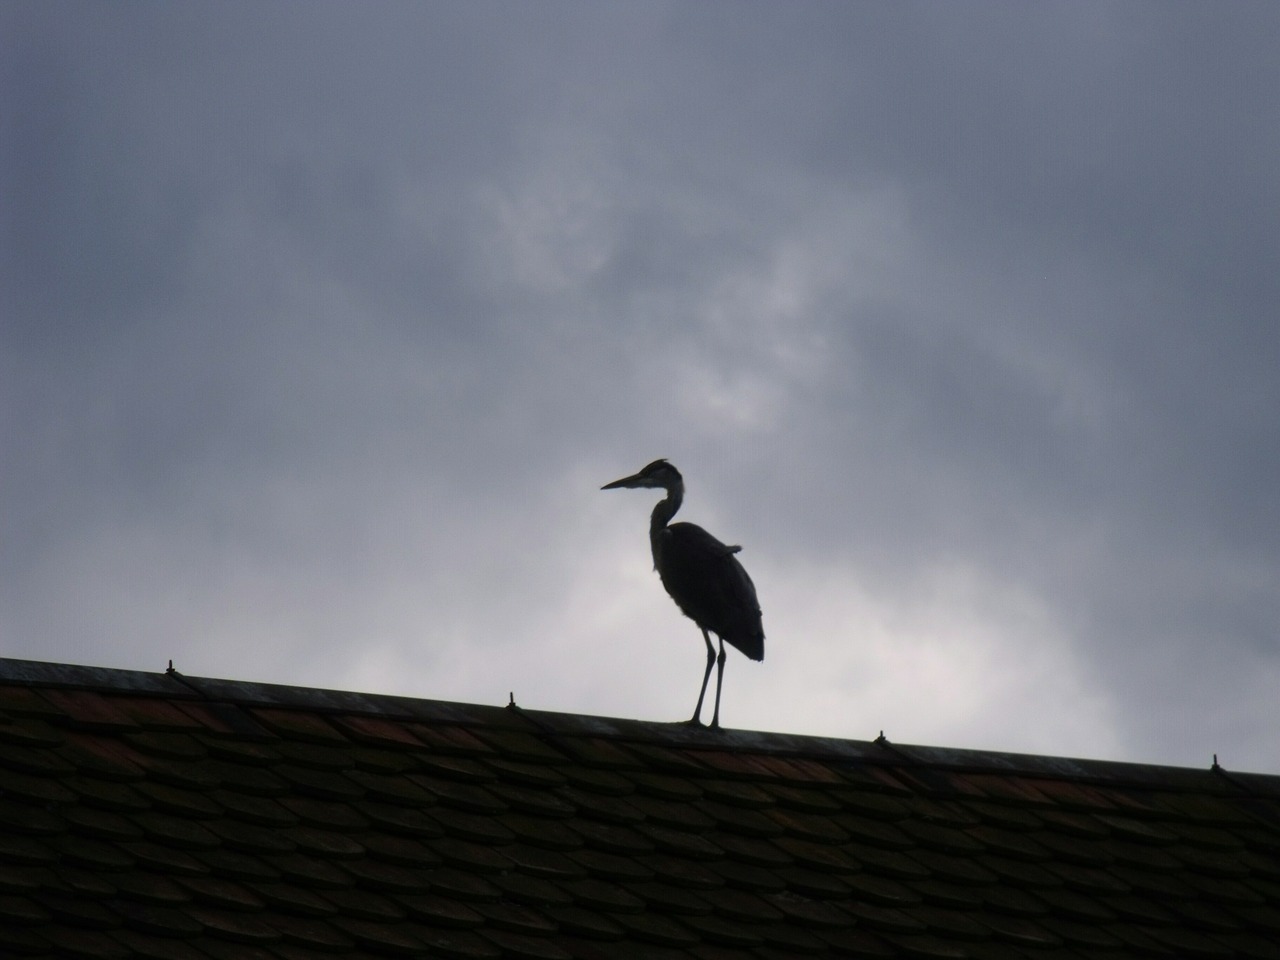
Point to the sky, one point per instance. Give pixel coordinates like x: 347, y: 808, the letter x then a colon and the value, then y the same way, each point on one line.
x: 322, y: 324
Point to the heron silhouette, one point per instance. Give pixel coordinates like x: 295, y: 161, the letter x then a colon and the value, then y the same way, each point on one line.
x: 702, y: 575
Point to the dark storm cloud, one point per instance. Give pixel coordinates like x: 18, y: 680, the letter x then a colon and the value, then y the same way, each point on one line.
x: 324, y: 323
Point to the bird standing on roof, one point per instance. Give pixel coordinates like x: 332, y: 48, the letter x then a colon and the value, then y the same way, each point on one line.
x: 702, y: 575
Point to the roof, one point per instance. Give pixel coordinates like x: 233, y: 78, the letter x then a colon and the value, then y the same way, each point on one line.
x: 179, y: 818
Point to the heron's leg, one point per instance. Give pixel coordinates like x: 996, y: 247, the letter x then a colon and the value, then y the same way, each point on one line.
x: 711, y: 658
x: 715, y: 717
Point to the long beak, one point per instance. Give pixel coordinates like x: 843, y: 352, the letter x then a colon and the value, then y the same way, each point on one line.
x: 631, y: 481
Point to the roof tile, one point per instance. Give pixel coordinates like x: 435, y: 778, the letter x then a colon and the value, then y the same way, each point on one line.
x: 535, y: 891
x: 669, y: 813
x: 666, y: 786
x: 607, y: 807
x: 462, y: 884
x: 469, y: 856
x: 814, y: 884
x: 588, y: 923
x: 537, y: 862
x: 322, y: 813
x: 594, y: 893
x: 950, y: 894
x: 657, y: 928
x: 297, y: 725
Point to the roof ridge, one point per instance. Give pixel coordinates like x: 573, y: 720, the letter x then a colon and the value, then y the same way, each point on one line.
x: 566, y: 728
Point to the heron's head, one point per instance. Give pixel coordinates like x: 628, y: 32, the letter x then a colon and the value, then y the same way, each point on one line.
x: 657, y: 474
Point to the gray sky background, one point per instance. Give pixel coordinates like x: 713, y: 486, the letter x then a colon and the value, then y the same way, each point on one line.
x: 322, y: 324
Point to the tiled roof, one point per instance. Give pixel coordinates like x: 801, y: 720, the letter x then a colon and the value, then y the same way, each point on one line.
x: 175, y: 818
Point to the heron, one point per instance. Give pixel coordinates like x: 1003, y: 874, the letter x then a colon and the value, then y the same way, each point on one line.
x: 702, y: 575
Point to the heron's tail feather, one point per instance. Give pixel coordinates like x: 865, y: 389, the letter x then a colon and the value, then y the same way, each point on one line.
x: 750, y: 643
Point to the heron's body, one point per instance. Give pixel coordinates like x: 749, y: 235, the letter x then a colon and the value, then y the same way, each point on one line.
x: 702, y: 575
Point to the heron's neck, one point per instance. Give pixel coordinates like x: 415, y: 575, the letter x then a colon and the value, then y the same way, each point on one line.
x: 665, y: 510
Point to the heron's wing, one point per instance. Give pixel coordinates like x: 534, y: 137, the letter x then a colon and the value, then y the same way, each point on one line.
x: 709, y: 584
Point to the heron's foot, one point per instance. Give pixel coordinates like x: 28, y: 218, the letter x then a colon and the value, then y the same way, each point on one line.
x: 691, y: 722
